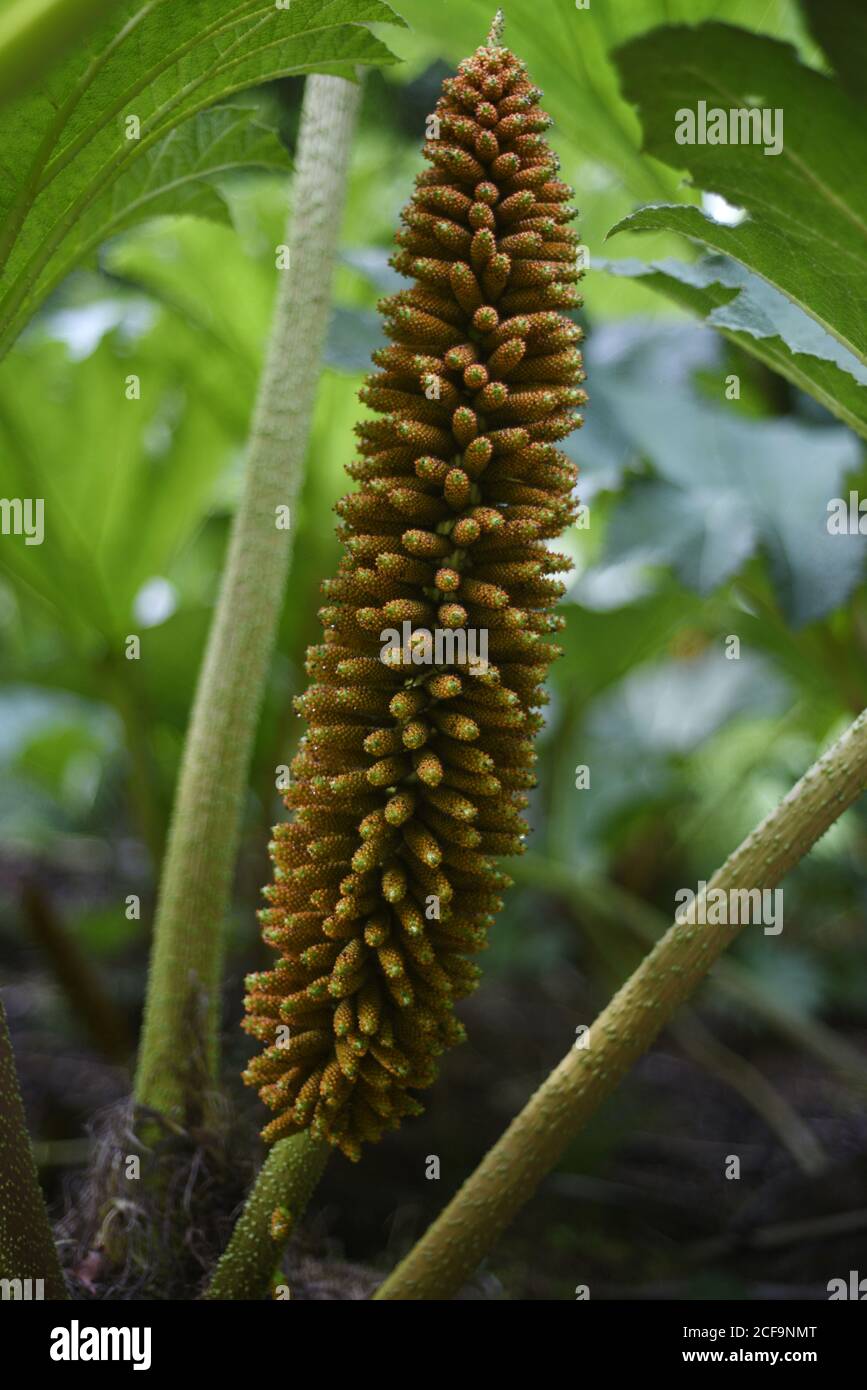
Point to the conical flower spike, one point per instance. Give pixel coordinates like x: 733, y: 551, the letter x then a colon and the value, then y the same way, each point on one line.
x: 410, y: 780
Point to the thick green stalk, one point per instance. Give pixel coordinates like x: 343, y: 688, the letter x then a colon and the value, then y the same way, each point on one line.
x: 33, y: 32
x: 181, y: 1013
x: 285, y: 1183
x: 27, y: 1250
x: 509, y: 1174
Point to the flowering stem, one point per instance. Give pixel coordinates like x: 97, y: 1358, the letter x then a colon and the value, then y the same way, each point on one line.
x: 285, y: 1183
x: 181, y: 1013
x: 507, y: 1177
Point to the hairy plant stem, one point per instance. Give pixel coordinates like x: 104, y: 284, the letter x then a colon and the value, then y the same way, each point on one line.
x: 285, y: 1183
x: 27, y: 1250
x: 509, y: 1174
x: 203, y: 837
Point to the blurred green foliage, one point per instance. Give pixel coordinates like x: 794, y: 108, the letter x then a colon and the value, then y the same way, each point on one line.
x: 707, y: 523
x: 707, y: 515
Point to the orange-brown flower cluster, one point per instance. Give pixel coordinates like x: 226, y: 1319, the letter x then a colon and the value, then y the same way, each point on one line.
x: 410, y: 781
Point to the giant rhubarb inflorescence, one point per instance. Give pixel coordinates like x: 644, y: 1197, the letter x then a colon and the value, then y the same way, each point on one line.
x: 410, y: 779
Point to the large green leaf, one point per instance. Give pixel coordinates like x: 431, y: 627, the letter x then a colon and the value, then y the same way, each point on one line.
x: 74, y: 165
x: 179, y: 175
x: 806, y: 233
x: 755, y: 316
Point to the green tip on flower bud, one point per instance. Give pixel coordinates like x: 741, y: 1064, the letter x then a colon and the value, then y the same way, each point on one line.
x: 496, y: 31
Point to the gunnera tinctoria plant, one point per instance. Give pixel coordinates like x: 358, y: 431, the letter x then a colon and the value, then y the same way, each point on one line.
x: 410, y: 780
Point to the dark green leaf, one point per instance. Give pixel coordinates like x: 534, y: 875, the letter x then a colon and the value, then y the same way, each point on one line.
x: 840, y: 26
x: 80, y: 152
x: 807, y: 229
